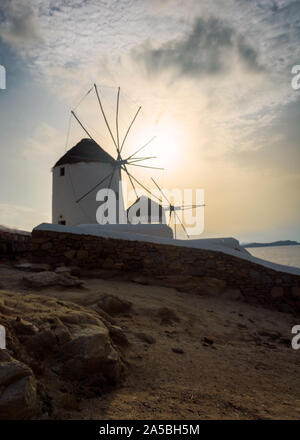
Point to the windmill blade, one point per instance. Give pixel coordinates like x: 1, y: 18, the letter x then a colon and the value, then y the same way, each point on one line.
x: 192, y: 207
x: 132, y: 184
x: 105, y: 119
x: 83, y: 98
x: 117, y: 119
x: 161, y: 191
x: 144, y: 146
x: 145, y: 166
x: 139, y: 183
x: 82, y: 126
x: 183, y: 227
x: 129, y: 128
x: 94, y: 187
x: 139, y: 159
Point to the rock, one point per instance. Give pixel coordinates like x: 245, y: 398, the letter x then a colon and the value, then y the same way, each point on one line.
x: 285, y: 308
x: 75, y: 271
x: 114, y: 305
x: 118, y: 336
x: 70, y: 254
x: 145, y: 338
x: 277, y: 292
x: 207, y: 340
x: 63, y: 270
x: 232, y: 294
x: 24, y: 327
x: 48, y: 279
x: 69, y: 402
x: 91, y: 358
x: 82, y: 255
x: 177, y: 350
x: 58, y: 337
x: 106, y: 318
x: 167, y: 315
x: 18, y: 400
x: 11, y: 371
x: 18, y: 396
x: 47, y: 246
x: 296, y: 292
x: 33, y: 267
x: 141, y: 280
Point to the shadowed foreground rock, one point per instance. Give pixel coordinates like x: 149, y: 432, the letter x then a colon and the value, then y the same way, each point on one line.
x: 52, y: 340
x: 18, y: 389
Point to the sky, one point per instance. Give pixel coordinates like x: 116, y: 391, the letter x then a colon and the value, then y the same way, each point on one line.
x: 214, y: 82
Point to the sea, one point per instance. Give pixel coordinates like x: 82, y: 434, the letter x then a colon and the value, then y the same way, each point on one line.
x: 286, y: 255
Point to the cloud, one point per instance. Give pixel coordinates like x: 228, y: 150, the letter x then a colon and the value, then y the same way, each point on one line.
x: 20, y: 25
x: 209, y: 48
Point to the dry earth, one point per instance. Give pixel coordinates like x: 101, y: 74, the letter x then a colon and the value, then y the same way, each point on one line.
x: 189, y: 356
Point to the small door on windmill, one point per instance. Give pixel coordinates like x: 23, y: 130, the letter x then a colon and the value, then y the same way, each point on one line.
x: 145, y: 211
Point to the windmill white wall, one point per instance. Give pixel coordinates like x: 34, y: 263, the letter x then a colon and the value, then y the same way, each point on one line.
x: 75, y: 174
x: 144, y: 211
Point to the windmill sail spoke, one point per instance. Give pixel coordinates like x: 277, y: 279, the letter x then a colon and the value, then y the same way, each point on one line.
x: 183, y: 227
x: 192, y: 207
x: 81, y: 125
x: 144, y: 146
x: 145, y: 166
x: 105, y: 119
x: 117, y: 119
x: 146, y: 189
x: 94, y: 187
x: 129, y: 128
x: 139, y: 159
x: 161, y: 191
x: 132, y: 184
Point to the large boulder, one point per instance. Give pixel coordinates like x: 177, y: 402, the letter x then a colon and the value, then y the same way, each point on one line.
x: 17, y: 389
x: 54, y: 340
x: 48, y: 279
x: 90, y: 356
x: 113, y: 305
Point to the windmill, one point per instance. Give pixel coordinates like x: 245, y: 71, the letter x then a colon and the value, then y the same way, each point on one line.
x: 172, y: 210
x: 120, y: 163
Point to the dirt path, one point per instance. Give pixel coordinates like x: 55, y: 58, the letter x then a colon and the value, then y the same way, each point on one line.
x: 210, y: 358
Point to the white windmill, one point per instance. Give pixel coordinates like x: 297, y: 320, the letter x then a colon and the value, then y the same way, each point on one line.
x: 84, y: 169
x: 171, y: 209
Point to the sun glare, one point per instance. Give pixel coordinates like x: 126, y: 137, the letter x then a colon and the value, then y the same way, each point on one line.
x: 168, y: 144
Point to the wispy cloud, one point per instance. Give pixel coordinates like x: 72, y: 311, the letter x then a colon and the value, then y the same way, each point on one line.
x: 20, y: 23
x: 210, y: 48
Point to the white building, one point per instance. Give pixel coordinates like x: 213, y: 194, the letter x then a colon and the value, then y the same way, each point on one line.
x: 77, y: 177
x: 146, y: 211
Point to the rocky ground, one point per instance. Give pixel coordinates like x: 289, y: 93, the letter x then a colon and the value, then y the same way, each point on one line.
x: 113, y: 349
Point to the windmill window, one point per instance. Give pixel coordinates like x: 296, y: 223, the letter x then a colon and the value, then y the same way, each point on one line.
x: 61, y: 220
x: 62, y: 171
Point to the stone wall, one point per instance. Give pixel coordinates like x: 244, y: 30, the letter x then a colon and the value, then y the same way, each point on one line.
x: 187, y: 269
x: 14, y: 244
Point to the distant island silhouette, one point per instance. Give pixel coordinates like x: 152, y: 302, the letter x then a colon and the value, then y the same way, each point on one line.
x: 274, y: 243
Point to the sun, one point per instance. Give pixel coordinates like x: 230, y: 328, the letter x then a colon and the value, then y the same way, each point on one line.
x: 168, y: 144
